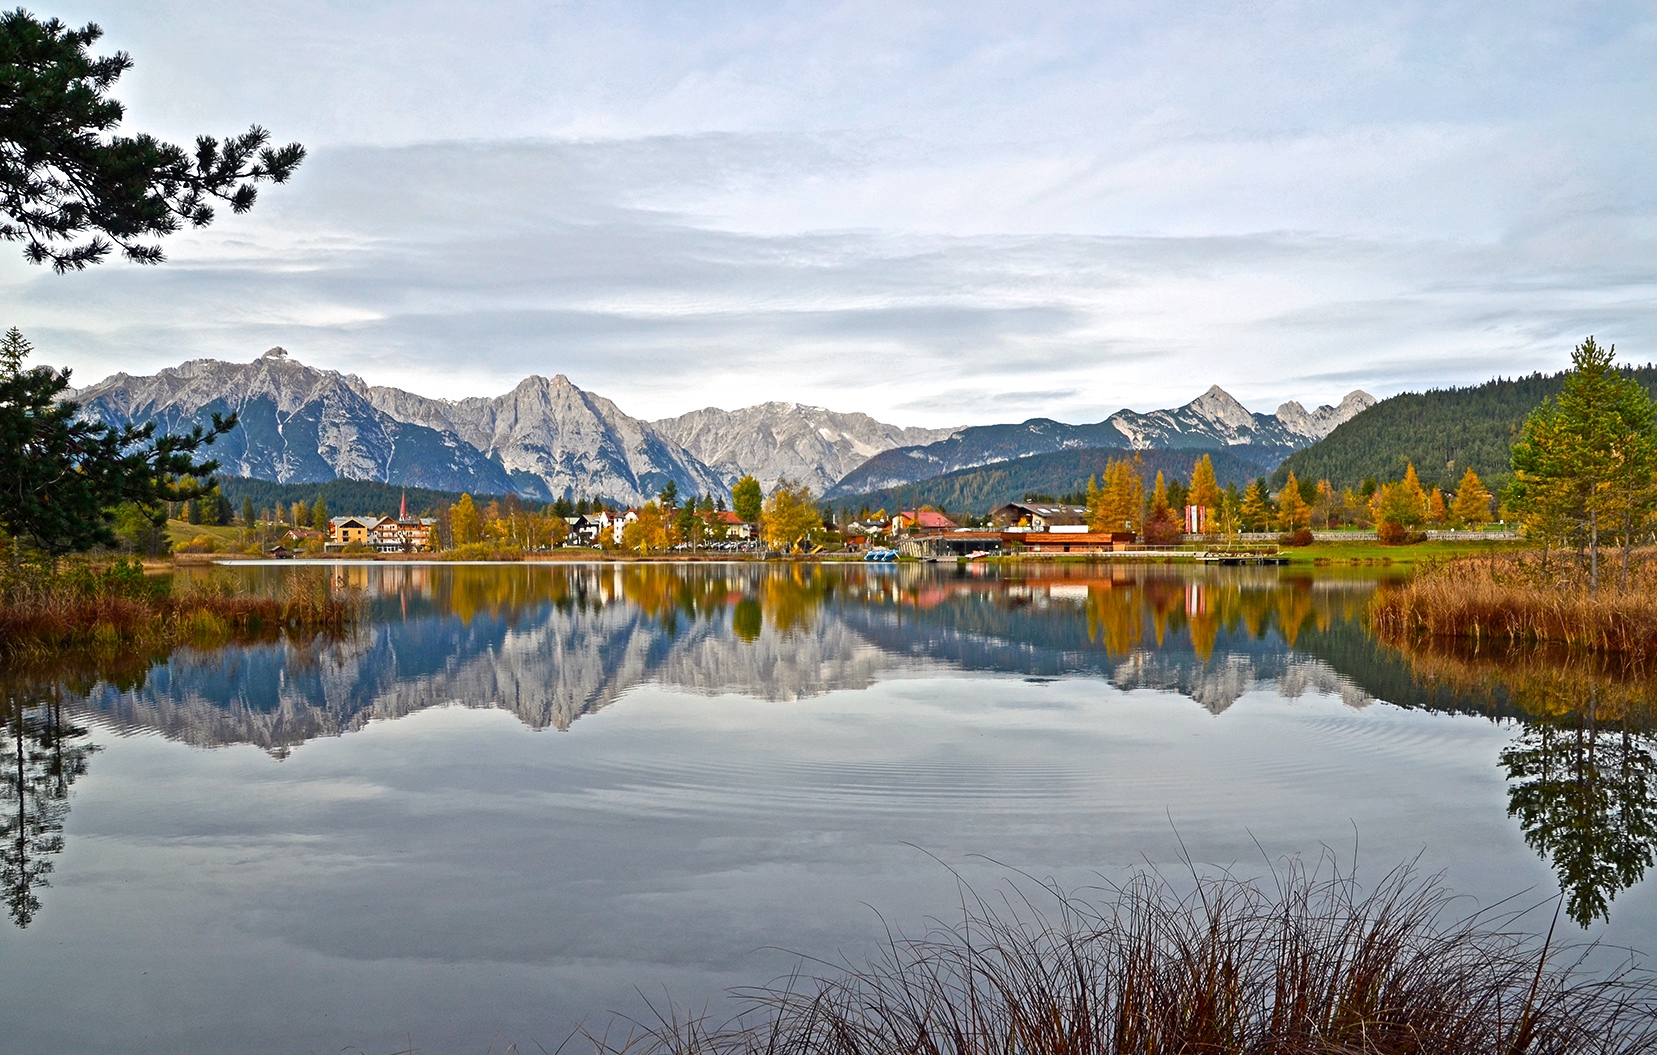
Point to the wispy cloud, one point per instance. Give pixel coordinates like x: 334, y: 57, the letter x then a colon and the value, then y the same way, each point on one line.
x: 942, y: 214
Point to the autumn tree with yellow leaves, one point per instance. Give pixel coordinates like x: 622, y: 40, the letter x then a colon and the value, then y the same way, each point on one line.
x: 789, y: 515
x: 1472, y: 504
x: 1119, y: 503
x: 1205, y: 488
x: 1292, y: 511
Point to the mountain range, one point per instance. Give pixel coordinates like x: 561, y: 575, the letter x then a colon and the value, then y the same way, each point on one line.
x: 1212, y: 421
x: 547, y: 438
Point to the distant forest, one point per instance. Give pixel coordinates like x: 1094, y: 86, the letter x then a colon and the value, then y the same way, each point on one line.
x: 980, y: 489
x: 342, y: 497
x: 1442, y: 432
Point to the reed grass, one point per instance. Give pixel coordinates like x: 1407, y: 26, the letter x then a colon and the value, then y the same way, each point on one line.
x: 46, y: 612
x: 1306, y: 963
x: 1510, y: 599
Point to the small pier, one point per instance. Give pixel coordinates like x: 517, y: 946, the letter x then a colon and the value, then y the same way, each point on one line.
x: 1241, y: 558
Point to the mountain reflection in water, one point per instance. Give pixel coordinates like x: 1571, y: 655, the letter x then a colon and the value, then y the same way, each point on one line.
x: 553, y: 642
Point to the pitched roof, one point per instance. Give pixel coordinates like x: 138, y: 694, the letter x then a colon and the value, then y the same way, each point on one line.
x: 927, y: 518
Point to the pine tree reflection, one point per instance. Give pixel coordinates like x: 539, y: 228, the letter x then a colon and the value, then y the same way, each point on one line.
x: 42, y: 756
x: 1582, y: 771
x: 1583, y: 794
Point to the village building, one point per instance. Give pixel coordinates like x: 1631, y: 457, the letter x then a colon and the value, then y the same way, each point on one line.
x: 400, y: 534
x: 1038, y: 516
x: 921, y: 519
x: 587, y: 529
x: 1056, y: 542
x: 733, y: 526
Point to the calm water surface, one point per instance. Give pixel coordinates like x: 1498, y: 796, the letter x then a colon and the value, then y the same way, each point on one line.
x: 523, y: 797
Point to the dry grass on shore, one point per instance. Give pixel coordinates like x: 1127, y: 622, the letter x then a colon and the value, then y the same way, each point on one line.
x: 86, y: 609
x: 1307, y: 964
x: 1508, y: 599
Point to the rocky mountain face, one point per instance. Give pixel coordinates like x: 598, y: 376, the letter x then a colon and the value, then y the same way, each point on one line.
x: 775, y: 440
x: 1215, y: 419
x: 554, y: 439
x: 297, y: 424
x: 544, y: 439
x: 1212, y: 421
x: 548, y: 438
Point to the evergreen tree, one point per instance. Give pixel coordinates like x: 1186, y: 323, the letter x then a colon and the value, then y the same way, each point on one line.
x: 319, y: 516
x: 687, y: 523
x: 1583, y: 465
x: 63, y: 477
x: 248, y: 517
x: 70, y: 189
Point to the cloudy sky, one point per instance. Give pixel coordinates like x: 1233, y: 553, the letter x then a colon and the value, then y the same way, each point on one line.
x: 939, y: 213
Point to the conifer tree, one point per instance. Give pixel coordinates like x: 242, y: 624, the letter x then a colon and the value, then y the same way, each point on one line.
x: 1472, y: 505
x: 1117, y: 504
x: 1412, y: 487
x: 1256, y: 509
x: 465, y: 525
x: 1292, y: 511
x: 70, y: 190
x: 1205, y: 489
x: 62, y: 477
x: 1584, y: 464
x: 1437, y: 511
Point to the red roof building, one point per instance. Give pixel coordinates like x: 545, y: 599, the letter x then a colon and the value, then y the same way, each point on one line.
x: 924, y: 519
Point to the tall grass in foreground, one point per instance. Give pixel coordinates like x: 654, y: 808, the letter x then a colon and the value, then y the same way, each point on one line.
x: 1305, y: 963
x: 81, y: 608
x: 1509, y: 599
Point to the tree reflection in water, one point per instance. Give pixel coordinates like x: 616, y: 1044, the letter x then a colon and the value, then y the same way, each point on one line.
x: 1582, y: 792
x: 1582, y: 772
x: 42, y: 756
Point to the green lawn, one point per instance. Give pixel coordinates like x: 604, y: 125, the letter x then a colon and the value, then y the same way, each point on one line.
x: 1369, y: 551
x: 180, y: 532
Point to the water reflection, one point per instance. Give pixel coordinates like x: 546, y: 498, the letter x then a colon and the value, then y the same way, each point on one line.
x: 42, y: 755
x: 1582, y: 770
x: 551, y: 643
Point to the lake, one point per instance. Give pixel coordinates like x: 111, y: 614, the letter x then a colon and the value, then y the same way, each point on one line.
x: 521, y: 797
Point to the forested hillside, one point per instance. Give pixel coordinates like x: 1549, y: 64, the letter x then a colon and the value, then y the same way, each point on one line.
x: 1442, y: 431
x: 342, y: 497
x: 980, y: 489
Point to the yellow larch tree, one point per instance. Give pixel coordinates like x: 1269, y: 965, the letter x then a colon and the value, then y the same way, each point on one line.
x: 1472, y: 505
x: 1205, y: 489
x: 1292, y: 511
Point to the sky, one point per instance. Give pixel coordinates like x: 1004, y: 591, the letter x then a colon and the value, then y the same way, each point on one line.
x: 937, y: 213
